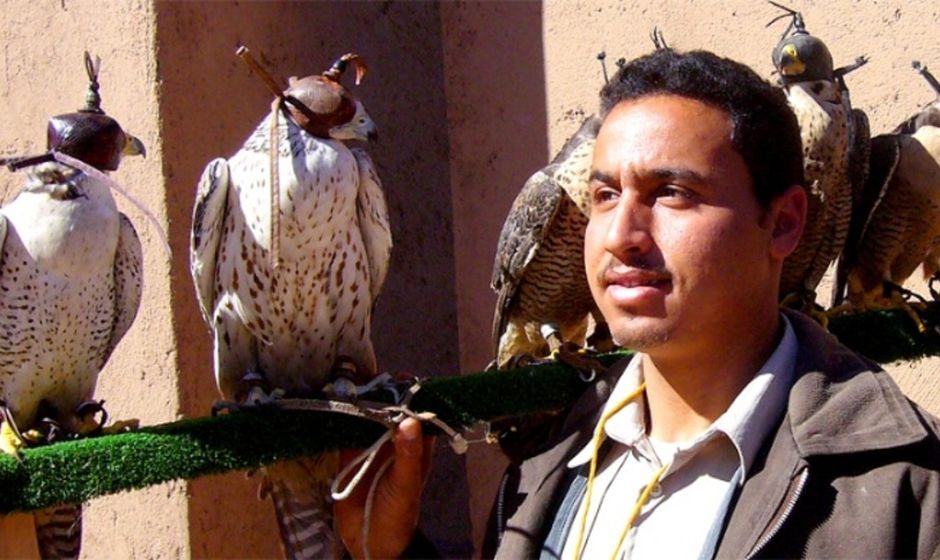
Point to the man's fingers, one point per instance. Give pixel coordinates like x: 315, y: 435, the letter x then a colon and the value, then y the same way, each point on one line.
x: 407, y: 472
x: 397, y: 496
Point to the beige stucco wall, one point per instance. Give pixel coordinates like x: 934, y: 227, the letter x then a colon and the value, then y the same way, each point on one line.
x: 470, y: 97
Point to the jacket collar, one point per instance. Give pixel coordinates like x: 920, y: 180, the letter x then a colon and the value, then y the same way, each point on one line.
x: 841, y: 403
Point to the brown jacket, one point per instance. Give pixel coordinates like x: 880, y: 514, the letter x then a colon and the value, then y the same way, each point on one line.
x: 852, y: 471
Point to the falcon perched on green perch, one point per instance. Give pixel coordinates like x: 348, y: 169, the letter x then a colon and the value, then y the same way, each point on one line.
x: 70, y: 287
x: 896, y: 226
x: 290, y: 246
x: 538, y: 273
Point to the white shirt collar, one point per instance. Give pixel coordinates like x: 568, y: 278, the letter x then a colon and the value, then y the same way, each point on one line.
x: 746, y: 423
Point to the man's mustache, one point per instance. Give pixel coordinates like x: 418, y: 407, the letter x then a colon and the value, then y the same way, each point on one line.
x: 635, y: 262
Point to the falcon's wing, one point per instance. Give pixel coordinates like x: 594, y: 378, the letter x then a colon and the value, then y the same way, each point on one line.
x: 883, y: 160
x: 128, y: 286
x: 208, y: 222
x: 3, y: 237
x: 859, y: 158
x: 929, y: 115
x: 859, y: 153
x: 373, y: 221
x: 529, y: 221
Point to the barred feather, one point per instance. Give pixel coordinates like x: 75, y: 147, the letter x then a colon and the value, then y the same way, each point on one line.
x: 59, y: 531
x: 299, y: 489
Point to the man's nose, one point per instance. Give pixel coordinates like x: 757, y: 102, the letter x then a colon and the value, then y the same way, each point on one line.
x: 629, y: 230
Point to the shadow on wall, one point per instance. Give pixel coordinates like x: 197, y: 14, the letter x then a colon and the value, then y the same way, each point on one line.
x: 435, y: 81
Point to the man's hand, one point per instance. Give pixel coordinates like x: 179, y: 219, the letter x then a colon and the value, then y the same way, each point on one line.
x: 397, y: 499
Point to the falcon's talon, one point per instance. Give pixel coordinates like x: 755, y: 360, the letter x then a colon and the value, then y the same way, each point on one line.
x: 257, y: 396
x: 221, y: 406
x: 934, y: 293
x: 10, y: 444
x: 122, y: 426
x: 346, y: 389
x: 521, y: 361
x: 579, y: 359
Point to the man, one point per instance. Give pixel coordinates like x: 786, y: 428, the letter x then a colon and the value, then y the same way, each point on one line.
x: 736, y: 430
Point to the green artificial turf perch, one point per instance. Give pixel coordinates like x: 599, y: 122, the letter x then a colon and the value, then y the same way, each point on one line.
x: 78, y: 470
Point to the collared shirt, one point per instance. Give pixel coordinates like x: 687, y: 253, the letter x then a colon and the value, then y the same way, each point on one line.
x: 693, y: 493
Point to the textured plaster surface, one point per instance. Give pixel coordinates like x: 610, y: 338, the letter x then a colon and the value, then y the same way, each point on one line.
x: 470, y: 97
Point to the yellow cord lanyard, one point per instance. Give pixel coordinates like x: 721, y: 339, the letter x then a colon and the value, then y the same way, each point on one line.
x: 644, y: 496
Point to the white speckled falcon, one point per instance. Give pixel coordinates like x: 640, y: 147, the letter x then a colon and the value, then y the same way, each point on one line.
x: 70, y: 287
x: 835, y: 150
x: 288, y: 318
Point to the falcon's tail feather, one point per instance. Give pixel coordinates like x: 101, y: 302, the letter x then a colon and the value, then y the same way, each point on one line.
x: 59, y: 531
x: 304, y: 516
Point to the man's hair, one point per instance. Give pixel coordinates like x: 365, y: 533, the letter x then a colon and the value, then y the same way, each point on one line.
x: 765, y: 131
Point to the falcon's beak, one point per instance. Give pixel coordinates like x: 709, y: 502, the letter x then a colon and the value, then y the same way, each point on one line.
x: 373, y: 136
x: 134, y: 147
x: 790, y: 63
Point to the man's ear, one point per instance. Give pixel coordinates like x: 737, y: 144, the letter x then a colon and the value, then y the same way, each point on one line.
x: 788, y: 215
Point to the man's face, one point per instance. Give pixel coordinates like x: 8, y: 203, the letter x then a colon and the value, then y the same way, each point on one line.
x: 676, y: 249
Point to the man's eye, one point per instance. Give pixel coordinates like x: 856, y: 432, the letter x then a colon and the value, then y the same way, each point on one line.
x: 672, y: 191
x: 604, y: 194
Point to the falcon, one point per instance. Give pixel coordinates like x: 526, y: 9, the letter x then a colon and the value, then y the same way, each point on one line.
x: 835, y: 151
x: 896, y: 226
x: 290, y: 246
x: 70, y: 287
x: 538, y: 273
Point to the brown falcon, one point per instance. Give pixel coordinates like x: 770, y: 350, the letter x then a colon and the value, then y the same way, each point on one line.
x: 538, y: 273
x: 896, y: 226
x: 285, y: 320
x: 70, y: 287
x: 835, y: 150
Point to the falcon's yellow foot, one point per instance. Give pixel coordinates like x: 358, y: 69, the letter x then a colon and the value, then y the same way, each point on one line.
x: 804, y: 301
x: 88, y: 421
x: 10, y: 442
x: 569, y: 353
x: 911, y: 310
x: 898, y: 298
x: 894, y: 297
x: 122, y: 426
x: 579, y: 358
x: 820, y: 315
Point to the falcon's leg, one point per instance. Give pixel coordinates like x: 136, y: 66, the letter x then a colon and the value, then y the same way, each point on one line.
x: 88, y: 422
x: 520, y: 345
x: 238, y: 375
x: 345, y: 375
x: 570, y: 353
x: 886, y: 297
x: 898, y: 298
x: 10, y: 441
x: 934, y: 278
x: 804, y: 301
